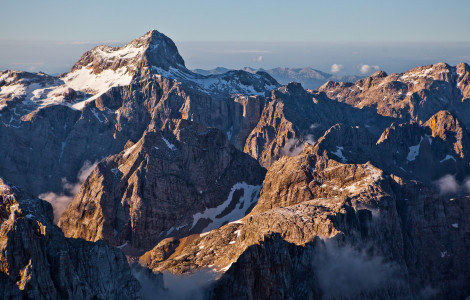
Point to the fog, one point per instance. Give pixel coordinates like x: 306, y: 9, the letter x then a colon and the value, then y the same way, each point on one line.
x: 60, y: 201
x: 173, y: 287
x: 448, y: 184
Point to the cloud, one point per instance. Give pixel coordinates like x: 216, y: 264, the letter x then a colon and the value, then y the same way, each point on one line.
x: 59, y: 203
x: 310, y: 139
x: 345, y: 272
x: 292, y: 147
x: 69, y: 190
x: 314, y: 126
x: 173, y: 287
x: 448, y: 184
x: 258, y: 59
x: 335, y: 68
x: 366, y: 69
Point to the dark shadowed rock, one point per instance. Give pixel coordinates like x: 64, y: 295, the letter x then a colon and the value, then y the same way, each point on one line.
x: 38, y: 262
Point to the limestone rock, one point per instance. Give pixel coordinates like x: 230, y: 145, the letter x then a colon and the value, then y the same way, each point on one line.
x: 38, y: 262
x: 181, y: 180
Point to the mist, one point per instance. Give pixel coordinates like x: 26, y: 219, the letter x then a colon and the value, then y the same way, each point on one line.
x: 449, y: 185
x: 293, y: 147
x: 173, y: 287
x: 346, y: 272
x: 61, y: 201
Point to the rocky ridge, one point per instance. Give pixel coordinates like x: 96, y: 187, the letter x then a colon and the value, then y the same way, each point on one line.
x: 38, y: 262
x: 413, y: 95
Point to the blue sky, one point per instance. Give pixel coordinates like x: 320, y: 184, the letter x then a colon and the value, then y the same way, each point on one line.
x: 50, y: 35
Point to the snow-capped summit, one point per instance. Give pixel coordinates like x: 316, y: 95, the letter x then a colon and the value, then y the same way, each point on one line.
x: 152, y: 56
x: 153, y: 49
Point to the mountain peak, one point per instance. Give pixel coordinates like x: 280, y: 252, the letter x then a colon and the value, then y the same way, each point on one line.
x: 161, y: 51
x: 153, y: 49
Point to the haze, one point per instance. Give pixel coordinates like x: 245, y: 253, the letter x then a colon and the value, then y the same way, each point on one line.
x: 329, y: 36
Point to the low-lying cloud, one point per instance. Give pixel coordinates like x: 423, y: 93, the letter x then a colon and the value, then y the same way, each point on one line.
x: 173, y: 287
x: 335, y: 68
x: 448, y: 184
x: 345, y: 272
x: 295, y: 146
x: 69, y: 190
x: 367, y: 69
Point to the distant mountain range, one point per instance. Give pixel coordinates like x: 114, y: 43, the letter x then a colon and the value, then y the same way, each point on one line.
x: 308, y: 77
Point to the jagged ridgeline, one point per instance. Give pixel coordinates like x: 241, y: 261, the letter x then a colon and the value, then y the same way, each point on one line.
x: 231, y: 184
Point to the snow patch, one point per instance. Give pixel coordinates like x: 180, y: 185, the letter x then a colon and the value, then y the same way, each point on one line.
x: 250, y: 196
x: 447, y: 158
x: 210, y: 83
x: 360, y: 185
x: 204, y: 234
x: 123, y: 245
x: 414, y: 151
x: 129, y: 151
x: 169, y: 145
x: 127, y: 52
x: 339, y: 153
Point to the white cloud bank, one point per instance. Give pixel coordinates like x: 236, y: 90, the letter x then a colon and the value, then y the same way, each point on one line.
x: 61, y: 201
x: 367, y: 69
x: 335, y: 68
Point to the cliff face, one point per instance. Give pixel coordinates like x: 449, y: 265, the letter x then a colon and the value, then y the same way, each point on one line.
x: 38, y: 262
x: 181, y: 180
x: 315, y: 270
x: 293, y: 117
x: 289, y: 269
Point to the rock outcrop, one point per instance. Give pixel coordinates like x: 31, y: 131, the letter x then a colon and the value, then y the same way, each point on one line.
x: 38, y: 262
x: 289, y: 268
x: 181, y: 180
x: 414, y: 95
